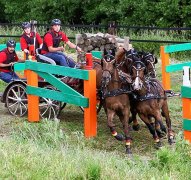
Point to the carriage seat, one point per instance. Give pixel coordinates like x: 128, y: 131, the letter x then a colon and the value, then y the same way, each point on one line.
x: 42, y: 58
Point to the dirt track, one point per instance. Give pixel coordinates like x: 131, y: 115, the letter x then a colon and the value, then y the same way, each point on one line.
x: 6, y: 121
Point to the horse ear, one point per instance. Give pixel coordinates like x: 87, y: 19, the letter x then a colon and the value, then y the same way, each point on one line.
x: 102, y: 62
x: 113, y: 52
x: 113, y: 62
x: 156, y: 60
x: 105, y: 52
x: 124, y: 50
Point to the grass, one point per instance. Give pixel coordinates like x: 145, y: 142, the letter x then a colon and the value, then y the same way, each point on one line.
x: 46, y: 151
x: 58, y: 150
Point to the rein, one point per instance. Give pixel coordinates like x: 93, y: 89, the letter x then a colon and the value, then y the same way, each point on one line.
x: 115, y: 92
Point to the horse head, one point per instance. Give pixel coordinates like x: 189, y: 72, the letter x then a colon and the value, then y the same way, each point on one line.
x: 138, y: 69
x: 109, y: 55
x: 150, y: 60
x: 108, y: 65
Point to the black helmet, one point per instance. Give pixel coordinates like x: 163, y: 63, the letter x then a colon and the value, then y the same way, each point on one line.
x: 11, y: 43
x: 26, y: 25
x: 55, y: 22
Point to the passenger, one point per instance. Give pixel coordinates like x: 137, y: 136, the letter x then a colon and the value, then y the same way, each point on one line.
x: 51, y: 45
x: 8, y: 57
x: 28, y: 37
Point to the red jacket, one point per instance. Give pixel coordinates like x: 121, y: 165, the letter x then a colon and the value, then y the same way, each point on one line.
x: 6, y: 57
x: 26, y: 40
x: 53, y: 39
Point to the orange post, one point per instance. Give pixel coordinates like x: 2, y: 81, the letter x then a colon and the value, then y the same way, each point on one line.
x: 89, y: 62
x: 187, y: 135
x: 165, y: 62
x: 90, y: 114
x: 33, y: 101
x: 186, y: 110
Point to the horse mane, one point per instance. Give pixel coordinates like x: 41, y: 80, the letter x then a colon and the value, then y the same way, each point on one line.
x: 119, y: 56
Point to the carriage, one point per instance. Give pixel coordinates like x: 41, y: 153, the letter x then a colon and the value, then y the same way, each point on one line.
x: 15, y: 97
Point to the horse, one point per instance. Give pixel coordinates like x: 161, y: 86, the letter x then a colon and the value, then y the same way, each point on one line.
x: 150, y: 101
x: 124, y: 57
x: 124, y: 60
x: 115, y: 100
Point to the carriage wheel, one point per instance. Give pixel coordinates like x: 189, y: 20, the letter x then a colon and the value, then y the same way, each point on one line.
x: 16, y: 100
x: 49, y: 108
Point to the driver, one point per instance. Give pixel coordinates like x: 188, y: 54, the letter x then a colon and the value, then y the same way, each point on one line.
x: 51, y: 45
x: 8, y: 57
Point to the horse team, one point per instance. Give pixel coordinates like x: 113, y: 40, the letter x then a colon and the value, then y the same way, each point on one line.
x: 128, y: 87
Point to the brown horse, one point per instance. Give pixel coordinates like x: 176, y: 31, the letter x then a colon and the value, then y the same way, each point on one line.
x: 150, y: 101
x: 115, y: 100
x: 124, y: 59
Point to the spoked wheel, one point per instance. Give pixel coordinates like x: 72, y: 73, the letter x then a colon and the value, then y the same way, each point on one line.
x: 49, y: 108
x: 16, y: 100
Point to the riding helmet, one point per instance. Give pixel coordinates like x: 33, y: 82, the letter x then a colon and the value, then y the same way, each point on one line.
x: 11, y: 43
x: 55, y: 22
x: 26, y: 25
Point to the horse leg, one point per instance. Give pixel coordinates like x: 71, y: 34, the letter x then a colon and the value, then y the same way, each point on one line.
x: 133, y: 119
x: 124, y: 118
x: 111, y: 125
x: 161, y: 132
x: 165, y: 113
x: 152, y: 130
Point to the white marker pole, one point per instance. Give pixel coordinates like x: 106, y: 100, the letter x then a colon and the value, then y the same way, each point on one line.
x: 186, y: 76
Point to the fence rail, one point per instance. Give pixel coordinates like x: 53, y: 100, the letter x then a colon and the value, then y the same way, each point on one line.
x: 131, y: 40
x: 113, y: 26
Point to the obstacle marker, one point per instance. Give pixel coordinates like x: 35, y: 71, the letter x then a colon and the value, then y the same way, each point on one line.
x: 186, y: 103
x: 165, y: 60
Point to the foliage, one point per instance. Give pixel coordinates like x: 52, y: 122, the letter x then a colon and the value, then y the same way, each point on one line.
x: 173, y: 13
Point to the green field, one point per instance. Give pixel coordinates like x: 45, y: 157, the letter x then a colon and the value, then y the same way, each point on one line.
x: 58, y: 149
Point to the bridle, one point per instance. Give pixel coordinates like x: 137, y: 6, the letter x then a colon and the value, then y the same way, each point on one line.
x: 138, y: 66
x: 150, y: 61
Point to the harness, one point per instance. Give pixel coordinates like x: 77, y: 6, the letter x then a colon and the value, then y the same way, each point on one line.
x: 150, y: 95
x: 116, y: 92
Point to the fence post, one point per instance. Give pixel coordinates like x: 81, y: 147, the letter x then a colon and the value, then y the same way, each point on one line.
x: 90, y: 114
x: 186, y: 110
x: 165, y: 61
x: 33, y: 101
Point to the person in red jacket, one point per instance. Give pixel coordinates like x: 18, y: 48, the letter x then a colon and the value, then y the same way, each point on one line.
x: 51, y: 45
x: 28, y: 38
x: 8, y: 57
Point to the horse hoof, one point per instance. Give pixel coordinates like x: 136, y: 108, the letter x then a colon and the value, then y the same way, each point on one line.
x: 130, y: 128
x: 162, y: 135
x: 128, y: 150
x: 158, y: 145
x: 120, y: 137
x: 171, y: 140
x: 136, y: 127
